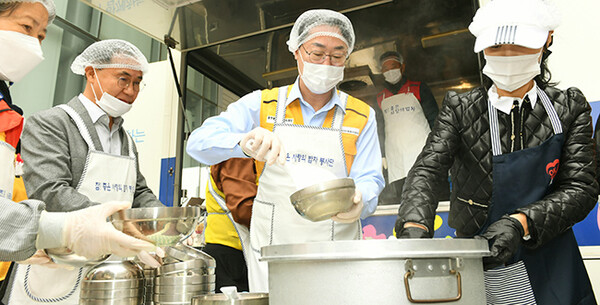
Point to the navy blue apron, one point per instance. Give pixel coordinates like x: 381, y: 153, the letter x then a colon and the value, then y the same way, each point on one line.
x: 553, y: 273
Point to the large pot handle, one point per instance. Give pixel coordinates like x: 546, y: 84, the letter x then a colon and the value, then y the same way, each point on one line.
x: 409, y: 274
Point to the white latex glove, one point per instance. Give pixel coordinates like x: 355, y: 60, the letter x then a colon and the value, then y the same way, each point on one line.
x: 40, y: 258
x: 149, y: 259
x: 354, y: 213
x: 87, y: 233
x: 190, y: 240
x: 263, y: 145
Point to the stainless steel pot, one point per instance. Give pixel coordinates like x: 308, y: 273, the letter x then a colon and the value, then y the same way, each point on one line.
x: 221, y: 299
x: 383, y: 272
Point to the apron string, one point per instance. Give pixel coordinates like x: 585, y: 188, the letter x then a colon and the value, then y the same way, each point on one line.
x: 495, y: 129
x: 221, y: 202
x: 83, y: 130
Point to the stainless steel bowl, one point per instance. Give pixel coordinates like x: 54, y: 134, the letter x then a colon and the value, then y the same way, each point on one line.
x: 192, y: 267
x: 184, y: 253
x: 112, y: 284
x: 112, y: 294
x: 123, y: 301
x: 112, y: 270
x: 64, y: 256
x: 184, y: 280
x: 204, y: 288
x: 175, y: 297
x: 163, y: 226
x: 221, y: 299
x: 321, y: 201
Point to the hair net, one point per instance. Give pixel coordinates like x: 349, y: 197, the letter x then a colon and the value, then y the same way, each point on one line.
x: 111, y: 53
x: 391, y: 55
x: 302, y: 29
x: 48, y: 4
x: 521, y: 22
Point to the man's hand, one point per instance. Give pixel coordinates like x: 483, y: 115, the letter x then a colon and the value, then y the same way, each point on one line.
x: 353, y: 214
x: 263, y: 145
x: 87, y: 233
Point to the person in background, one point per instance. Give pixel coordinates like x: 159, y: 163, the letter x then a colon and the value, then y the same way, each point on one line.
x: 408, y: 111
x: 522, y: 160
x: 308, y: 126
x: 229, y: 196
x: 78, y: 155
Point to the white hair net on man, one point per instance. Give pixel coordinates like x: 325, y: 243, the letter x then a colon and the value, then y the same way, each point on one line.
x: 111, y: 53
x: 334, y: 24
x: 48, y: 4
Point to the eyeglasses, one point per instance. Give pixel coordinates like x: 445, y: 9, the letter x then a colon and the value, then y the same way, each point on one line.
x: 124, y: 82
x: 316, y: 56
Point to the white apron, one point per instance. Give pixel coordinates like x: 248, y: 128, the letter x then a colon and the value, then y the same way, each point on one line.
x: 406, y: 131
x: 105, y: 177
x: 274, y: 220
x: 7, y: 168
x: 242, y: 231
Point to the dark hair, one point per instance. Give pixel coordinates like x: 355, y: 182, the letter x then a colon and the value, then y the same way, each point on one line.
x: 389, y: 54
x: 8, y: 7
x: 542, y: 80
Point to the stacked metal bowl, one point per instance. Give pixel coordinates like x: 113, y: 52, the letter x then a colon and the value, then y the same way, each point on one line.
x: 193, y: 273
x: 148, y: 284
x: 113, y: 283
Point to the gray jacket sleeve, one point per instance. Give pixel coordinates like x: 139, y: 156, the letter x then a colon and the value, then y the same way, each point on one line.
x: 19, y: 224
x: 47, y: 158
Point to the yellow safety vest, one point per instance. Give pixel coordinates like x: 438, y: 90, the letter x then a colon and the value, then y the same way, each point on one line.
x: 355, y: 120
x: 219, y: 225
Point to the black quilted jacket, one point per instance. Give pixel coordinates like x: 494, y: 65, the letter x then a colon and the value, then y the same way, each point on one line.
x: 460, y: 141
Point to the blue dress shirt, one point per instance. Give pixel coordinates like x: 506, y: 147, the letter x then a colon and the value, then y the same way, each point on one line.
x: 218, y: 137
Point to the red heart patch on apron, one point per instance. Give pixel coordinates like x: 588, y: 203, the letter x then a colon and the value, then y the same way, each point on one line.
x: 552, y: 168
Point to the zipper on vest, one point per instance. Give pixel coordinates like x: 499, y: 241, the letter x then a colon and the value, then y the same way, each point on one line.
x: 521, y: 126
x: 512, y: 128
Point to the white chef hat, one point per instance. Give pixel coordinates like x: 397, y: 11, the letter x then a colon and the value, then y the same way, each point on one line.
x: 521, y: 22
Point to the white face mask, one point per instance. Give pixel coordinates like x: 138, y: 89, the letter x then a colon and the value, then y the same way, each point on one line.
x: 510, y: 73
x: 19, y: 54
x: 320, y: 79
x: 113, y: 106
x: 392, y: 76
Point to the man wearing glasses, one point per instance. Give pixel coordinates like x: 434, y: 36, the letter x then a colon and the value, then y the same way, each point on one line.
x: 310, y: 127
x: 78, y: 155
